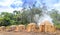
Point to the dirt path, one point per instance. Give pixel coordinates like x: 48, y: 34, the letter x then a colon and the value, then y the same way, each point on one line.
x: 23, y: 33
x: 26, y: 33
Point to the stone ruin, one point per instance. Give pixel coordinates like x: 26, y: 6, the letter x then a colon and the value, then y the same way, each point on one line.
x: 45, y: 26
x: 2, y: 28
x: 31, y: 27
x: 21, y: 27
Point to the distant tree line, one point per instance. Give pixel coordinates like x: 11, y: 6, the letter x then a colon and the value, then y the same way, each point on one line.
x: 19, y: 17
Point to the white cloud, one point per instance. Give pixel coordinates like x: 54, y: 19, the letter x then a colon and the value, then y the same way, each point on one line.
x: 5, y: 5
x: 10, y: 10
x: 6, y: 2
x: 6, y: 10
x: 57, y: 6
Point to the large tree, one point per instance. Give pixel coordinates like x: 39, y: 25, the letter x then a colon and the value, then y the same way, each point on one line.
x: 56, y: 17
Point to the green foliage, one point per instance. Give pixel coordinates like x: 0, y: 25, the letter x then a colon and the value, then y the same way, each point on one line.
x: 26, y: 16
x: 56, y: 18
x: 19, y: 17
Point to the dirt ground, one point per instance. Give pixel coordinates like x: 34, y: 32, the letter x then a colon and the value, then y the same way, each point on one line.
x: 29, y: 33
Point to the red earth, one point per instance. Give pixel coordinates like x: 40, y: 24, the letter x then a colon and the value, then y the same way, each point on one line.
x: 29, y: 33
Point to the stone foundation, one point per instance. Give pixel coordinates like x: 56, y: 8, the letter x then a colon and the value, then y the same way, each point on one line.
x: 32, y: 27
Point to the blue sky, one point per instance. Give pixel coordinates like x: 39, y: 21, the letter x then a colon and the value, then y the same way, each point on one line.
x: 11, y: 5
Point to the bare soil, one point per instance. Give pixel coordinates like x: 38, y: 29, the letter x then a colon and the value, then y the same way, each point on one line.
x: 29, y: 33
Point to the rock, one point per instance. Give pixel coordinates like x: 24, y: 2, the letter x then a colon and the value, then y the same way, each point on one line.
x: 2, y: 28
x: 21, y: 27
x: 46, y: 26
x: 31, y: 27
x: 13, y: 28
